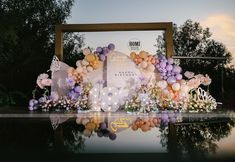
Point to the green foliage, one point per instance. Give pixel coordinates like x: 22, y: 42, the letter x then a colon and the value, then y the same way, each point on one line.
x: 9, y: 98
x: 29, y: 29
x: 27, y: 34
x: 73, y: 42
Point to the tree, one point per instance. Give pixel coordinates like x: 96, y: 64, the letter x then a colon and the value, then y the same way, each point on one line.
x: 191, y: 39
x: 27, y: 39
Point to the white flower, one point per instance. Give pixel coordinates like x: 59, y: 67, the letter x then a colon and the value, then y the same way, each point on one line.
x: 189, y: 74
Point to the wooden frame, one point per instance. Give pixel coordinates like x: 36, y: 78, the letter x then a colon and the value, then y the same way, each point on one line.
x: 60, y: 29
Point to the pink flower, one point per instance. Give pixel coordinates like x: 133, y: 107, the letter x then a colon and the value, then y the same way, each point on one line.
x: 43, y: 80
x: 189, y: 74
x: 193, y: 83
x: 207, y: 80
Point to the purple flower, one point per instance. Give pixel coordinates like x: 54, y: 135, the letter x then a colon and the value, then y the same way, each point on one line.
x: 70, y: 82
x: 42, y: 99
x: 33, y: 104
x: 78, y: 90
x: 73, y: 95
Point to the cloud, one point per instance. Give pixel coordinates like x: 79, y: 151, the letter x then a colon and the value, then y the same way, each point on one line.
x: 223, y: 28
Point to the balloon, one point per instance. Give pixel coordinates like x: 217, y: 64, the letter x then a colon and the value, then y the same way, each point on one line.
x: 78, y: 63
x: 176, y: 86
x: 170, y: 60
x: 177, y: 69
x: 111, y: 46
x: 85, y: 121
x: 151, y: 67
x: 85, y: 63
x: 86, y: 51
x: 143, y: 64
x: 143, y: 54
x: 102, y: 57
x: 98, y: 49
x: 87, y: 132
x: 89, y: 68
x: 162, y: 84
x: 178, y: 77
x: 79, y: 69
x: 90, y: 57
x: 105, y: 50
x: 163, y: 64
x: 169, y: 67
x: 133, y: 55
x: 171, y: 80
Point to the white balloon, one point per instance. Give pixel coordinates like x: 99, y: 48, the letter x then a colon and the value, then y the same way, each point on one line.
x: 78, y: 64
x: 176, y: 86
x: 89, y: 68
x: 85, y: 63
x: 162, y: 84
x: 79, y: 69
x: 143, y: 64
x: 150, y: 67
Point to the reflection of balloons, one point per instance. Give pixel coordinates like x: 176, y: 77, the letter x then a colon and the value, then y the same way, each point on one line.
x: 87, y: 132
x: 112, y: 136
x: 99, y: 134
x: 103, y: 125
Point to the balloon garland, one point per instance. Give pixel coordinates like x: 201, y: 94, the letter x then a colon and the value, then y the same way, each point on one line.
x: 170, y: 92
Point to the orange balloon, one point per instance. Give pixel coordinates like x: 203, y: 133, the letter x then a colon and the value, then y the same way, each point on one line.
x: 133, y: 55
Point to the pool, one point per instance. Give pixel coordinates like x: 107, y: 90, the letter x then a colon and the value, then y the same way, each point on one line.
x: 163, y: 136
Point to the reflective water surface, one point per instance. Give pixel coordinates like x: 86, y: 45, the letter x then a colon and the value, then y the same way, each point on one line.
x: 167, y: 134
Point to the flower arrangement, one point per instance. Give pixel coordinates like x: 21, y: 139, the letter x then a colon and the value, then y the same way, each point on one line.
x: 169, y: 92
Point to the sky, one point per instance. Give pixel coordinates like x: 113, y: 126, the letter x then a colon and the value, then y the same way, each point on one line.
x: 218, y: 15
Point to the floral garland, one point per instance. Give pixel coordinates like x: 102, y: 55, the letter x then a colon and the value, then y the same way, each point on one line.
x: 170, y: 92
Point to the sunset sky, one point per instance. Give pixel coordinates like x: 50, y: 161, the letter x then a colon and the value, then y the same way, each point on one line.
x: 218, y: 15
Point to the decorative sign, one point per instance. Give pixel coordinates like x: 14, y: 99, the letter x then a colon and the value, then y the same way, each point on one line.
x: 120, y: 69
x: 122, y: 122
x: 134, y: 44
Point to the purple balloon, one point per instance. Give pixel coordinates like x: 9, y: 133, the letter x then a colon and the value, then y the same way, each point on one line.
x: 111, y: 46
x: 163, y: 64
x: 170, y: 61
x: 165, y: 77
x: 102, y: 57
x: 105, y: 50
x: 169, y: 67
x: 163, y: 74
x: 77, y: 89
x: 168, y: 74
x: 176, y: 69
x: 99, y: 134
x: 172, y: 120
x: 103, y: 125
x: 98, y: 49
x: 164, y: 117
x: 178, y: 77
x: 112, y: 136
x: 171, y: 80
